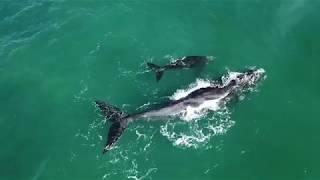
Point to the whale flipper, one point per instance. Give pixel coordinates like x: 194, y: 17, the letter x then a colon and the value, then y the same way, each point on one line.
x: 157, y: 69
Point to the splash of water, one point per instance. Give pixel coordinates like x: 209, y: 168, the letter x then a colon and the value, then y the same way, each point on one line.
x: 198, y: 133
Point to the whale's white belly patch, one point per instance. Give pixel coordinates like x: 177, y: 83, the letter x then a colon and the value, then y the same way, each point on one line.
x: 194, y: 112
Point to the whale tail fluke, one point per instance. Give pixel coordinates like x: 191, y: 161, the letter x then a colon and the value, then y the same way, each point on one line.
x: 110, y: 112
x: 157, y: 69
x: 119, y: 122
x: 115, y: 131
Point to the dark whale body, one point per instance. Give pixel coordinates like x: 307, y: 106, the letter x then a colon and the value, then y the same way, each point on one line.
x: 183, y: 63
x: 120, y: 120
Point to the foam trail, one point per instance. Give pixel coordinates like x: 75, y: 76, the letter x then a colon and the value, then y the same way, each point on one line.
x: 40, y: 169
x: 290, y: 14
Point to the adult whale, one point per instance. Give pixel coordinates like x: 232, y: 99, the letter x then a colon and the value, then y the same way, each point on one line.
x: 197, y: 98
x: 183, y: 63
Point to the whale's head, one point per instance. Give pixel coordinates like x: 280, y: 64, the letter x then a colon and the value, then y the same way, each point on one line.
x: 245, y: 80
x: 251, y: 77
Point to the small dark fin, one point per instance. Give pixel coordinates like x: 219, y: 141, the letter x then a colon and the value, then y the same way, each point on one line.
x: 157, y: 69
x: 110, y: 112
x: 115, y: 131
x: 159, y: 75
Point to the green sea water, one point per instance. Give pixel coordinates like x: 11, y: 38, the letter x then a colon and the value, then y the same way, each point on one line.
x: 57, y: 56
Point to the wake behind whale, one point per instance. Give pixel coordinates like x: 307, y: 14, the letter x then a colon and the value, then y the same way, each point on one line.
x: 193, y: 103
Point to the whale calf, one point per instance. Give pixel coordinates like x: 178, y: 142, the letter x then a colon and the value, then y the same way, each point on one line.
x: 220, y: 94
x: 183, y: 63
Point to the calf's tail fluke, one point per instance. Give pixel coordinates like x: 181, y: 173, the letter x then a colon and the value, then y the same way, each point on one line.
x: 157, y: 69
x: 119, y: 122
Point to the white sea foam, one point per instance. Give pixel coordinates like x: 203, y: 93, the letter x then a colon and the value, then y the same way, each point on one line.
x: 180, y: 93
x: 198, y: 133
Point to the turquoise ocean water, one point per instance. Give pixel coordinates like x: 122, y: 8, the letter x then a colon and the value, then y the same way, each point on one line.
x: 57, y: 56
